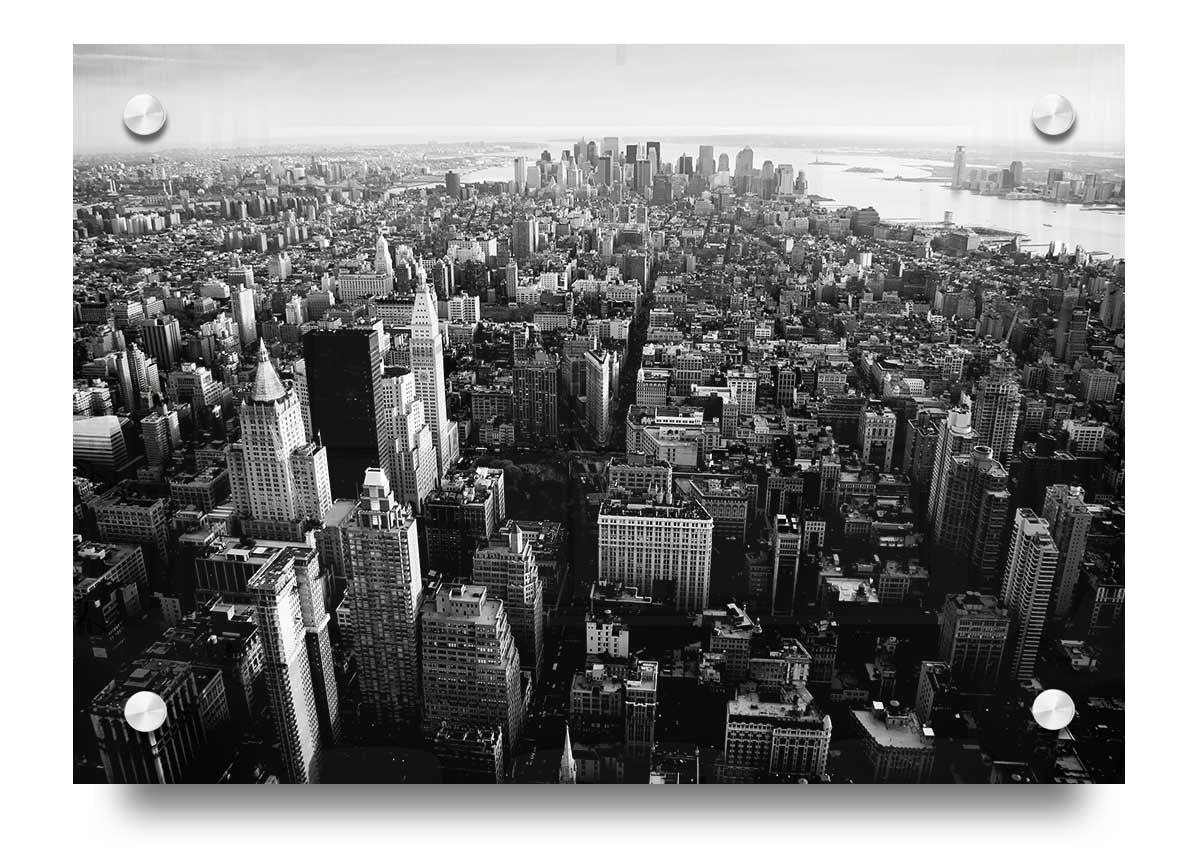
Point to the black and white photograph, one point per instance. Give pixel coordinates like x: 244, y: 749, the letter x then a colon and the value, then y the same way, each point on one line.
x: 574, y: 431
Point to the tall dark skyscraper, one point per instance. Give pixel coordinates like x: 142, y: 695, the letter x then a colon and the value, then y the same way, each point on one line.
x: 344, y: 374
x: 535, y: 399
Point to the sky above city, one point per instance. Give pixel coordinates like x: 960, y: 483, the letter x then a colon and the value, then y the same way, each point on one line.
x: 250, y: 95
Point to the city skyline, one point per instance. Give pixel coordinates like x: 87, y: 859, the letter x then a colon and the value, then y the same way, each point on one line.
x: 231, y: 96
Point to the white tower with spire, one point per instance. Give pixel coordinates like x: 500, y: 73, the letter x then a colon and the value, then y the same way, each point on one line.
x: 276, y: 472
x: 430, y: 376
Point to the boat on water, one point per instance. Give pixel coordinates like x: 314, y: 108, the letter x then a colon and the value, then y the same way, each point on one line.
x: 1044, y: 224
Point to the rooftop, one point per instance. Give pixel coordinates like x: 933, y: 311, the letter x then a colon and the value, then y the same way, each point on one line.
x: 890, y: 727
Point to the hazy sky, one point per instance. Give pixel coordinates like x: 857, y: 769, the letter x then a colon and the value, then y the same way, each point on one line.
x: 236, y: 95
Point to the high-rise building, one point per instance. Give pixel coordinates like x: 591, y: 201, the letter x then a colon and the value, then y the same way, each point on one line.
x: 1071, y: 340
x: 1017, y: 169
x: 1070, y: 520
x: 605, y: 170
x: 385, y: 599
x: 470, y: 670
x: 523, y: 242
x: 954, y: 436
x: 705, y: 165
x: 744, y: 386
x: 163, y: 340
x: 507, y: 567
x: 642, y: 175
x: 166, y: 755
x: 785, y: 179
x: 972, y: 640
x: 935, y: 691
x: 997, y: 408
x: 1099, y: 385
x: 744, y: 164
x: 275, y: 472
x: 1028, y: 583
x: 519, y: 172
x: 244, y: 304
x: 430, y: 377
x: 775, y: 735
x: 959, y: 177
x: 469, y: 508
x: 412, y: 459
x: 160, y: 435
x: 600, y: 374
x: 286, y: 668
x: 453, y: 185
x: 658, y: 547
x: 535, y: 399
x: 641, y: 710
x: 971, y: 524
x: 654, y: 155
x: 766, y: 179
x: 787, y: 551
x: 344, y: 376
x: 877, y: 435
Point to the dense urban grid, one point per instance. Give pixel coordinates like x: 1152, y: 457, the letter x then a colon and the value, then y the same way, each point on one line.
x: 632, y: 468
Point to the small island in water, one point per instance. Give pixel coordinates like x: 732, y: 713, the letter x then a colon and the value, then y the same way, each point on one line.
x: 863, y: 170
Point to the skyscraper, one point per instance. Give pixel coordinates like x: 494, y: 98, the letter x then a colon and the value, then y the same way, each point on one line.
x: 600, y: 373
x: 972, y: 520
x: 286, y: 669
x: 654, y: 155
x: 412, y: 466
x: 643, y: 174
x: 242, y: 301
x: 959, y: 176
x: 383, y: 257
x: 344, y: 373
x: 973, y: 634
x: 519, y: 172
x: 954, y: 436
x: 430, y: 378
x: 785, y: 179
x: 744, y: 164
x: 767, y: 179
x: 275, y: 472
x: 1028, y: 582
x: 641, y: 710
x: 705, y: 165
x: 1070, y: 519
x: 507, y: 567
x: 385, y: 598
x: 470, y: 670
x: 160, y: 434
x: 162, y: 338
x: 523, y: 242
x: 997, y: 408
x: 535, y: 399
